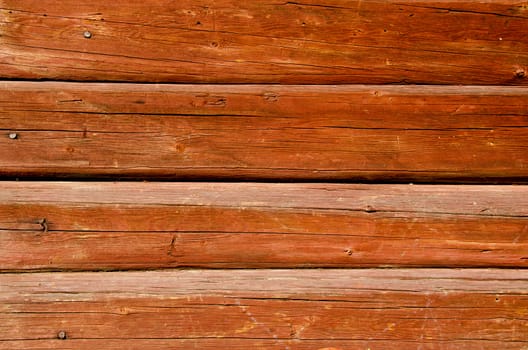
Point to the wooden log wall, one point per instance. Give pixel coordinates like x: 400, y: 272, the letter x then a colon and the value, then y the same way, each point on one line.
x: 220, y: 174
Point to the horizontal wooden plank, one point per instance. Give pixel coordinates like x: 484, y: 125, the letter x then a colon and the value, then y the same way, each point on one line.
x: 105, y: 226
x: 351, y: 132
x: 243, y: 344
x: 228, y: 41
x: 286, y: 309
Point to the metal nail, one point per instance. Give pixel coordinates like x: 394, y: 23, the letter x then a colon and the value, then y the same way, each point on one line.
x: 61, y: 335
x: 13, y: 135
x: 87, y: 34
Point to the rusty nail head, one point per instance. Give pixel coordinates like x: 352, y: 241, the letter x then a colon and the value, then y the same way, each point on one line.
x: 61, y: 335
x: 13, y: 135
x: 87, y: 34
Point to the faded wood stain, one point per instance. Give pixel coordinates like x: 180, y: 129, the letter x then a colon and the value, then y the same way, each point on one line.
x: 233, y: 109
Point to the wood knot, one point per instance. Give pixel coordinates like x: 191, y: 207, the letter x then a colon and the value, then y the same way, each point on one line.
x: 218, y: 101
x: 44, y: 224
x: 270, y: 97
x: 370, y: 209
x: 520, y: 73
x: 180, y: 147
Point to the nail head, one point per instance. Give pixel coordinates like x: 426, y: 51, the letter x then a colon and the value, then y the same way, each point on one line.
x: 61, y: 335
x: 13, y: 135
x: 87, y: 34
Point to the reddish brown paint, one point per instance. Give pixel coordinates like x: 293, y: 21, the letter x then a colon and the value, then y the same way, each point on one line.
x: 287, y: 308
x: 157, y: 225
x: 375, y: 133
x: 124, y: 130
x: 272, y: 41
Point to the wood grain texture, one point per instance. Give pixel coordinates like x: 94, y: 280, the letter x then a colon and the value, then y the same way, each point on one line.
x: 277, y: 309
x: 106, y: 226
x: 372, y: 133
x: 244, y: 344
x: 228, y: 41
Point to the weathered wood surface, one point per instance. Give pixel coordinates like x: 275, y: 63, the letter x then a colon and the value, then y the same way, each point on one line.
x: 104, y: 226
x: 244, y: 344
x: 277, y: 309
x: 264, y: 132
x: 231, y: 41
